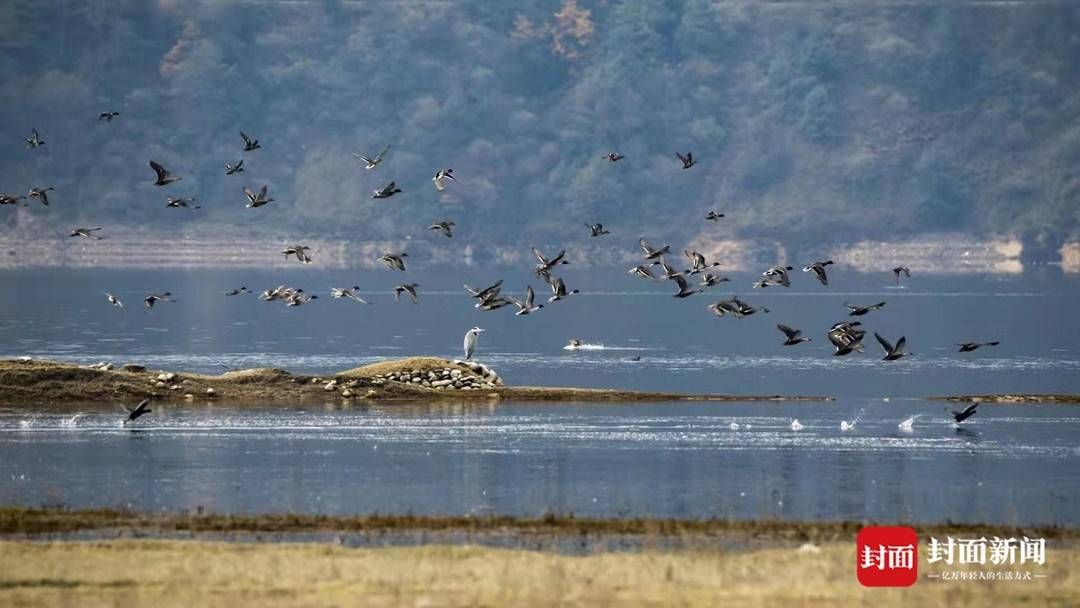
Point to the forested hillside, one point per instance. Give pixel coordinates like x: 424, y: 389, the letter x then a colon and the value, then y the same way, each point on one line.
x: 812, y: 122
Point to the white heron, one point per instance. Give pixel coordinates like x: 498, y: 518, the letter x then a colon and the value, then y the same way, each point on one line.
x: 471, y: 338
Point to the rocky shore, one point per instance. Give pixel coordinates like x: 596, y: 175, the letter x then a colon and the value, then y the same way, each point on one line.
x: 413, y: 378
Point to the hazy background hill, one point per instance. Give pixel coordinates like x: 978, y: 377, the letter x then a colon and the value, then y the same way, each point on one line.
x: 813, y: 122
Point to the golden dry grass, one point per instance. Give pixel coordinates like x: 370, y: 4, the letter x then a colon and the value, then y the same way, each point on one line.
x: 190, y: 573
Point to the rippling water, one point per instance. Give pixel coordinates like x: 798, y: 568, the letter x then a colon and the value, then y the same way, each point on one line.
x: 1011, y: 464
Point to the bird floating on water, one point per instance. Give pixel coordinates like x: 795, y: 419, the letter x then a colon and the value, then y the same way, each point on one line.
x: 445, y: 227
x: 394, y: 261
x: 34, y: 140
x: 249, y: 144
x: 256, y: 200
x: 893, y: 352
x: 818, y: 268
x: 164, y: 178
x: 40, y: 193
x: 471, y: 338
x: 687, y: 161
x: 858, y: 311
x: 967, y: 347
x: 441, y: 177
x: 86, y: 233
x: 794, y: 336
x: 234, y: 169
x: 371, y: 163
x: 386, y: 191
x: 596, y: 230
x: 407, y: 288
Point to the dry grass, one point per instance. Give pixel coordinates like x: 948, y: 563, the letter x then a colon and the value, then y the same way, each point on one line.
x: 187, y: 573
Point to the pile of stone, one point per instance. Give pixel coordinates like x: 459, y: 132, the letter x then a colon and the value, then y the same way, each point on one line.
x: 463, y: 376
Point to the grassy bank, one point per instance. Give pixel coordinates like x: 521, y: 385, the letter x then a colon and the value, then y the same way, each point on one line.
x: 189, y: 573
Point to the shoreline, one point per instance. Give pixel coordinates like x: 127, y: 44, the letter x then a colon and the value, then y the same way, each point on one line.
x: 426, y: 379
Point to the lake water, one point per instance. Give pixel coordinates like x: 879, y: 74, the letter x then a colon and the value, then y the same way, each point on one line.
x: 1010, y: 464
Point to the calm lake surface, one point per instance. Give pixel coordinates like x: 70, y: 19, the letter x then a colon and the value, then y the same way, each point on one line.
x: 1010, y: 464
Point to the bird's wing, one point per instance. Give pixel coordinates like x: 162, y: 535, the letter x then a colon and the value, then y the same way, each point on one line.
x: 391, y: 186
x: 439, y: 185
x: 161, y: 172
x: 900, y: 344
x: 262, y: 192
x: 558, y: 257
x: 681, y: 282
x: 247, y: 140
x: 362, y: 157
x: 248, y: 193
x: 884, y: 343
x: 789, y: 332
x: 645, y: 247
x: 682, y: 158
x: 529, y: 296
x: 384, y: 151
x: 539, y: 256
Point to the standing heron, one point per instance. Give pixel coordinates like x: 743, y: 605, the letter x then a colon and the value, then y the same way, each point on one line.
x: 471, y: 338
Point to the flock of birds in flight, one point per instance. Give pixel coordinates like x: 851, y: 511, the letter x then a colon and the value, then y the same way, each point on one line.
x: 845, y: 336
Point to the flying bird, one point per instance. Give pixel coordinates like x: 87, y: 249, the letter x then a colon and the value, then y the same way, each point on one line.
x: 300, y: 251
x: 256, y: 200
x: 614, y: 157
x: 709, y: 280
x: 527, y: 306
x: 164, y: 178
x: 643, y: 272
x: 846, y: 338
x: 34, y: 140
x: 371, y: 163
x: 7, y: 199
x: 107, y: 116
x: 394, y: 261
x: 652, y: 254
x: 249, y: 144
x: 794, y: 336
x: 85, y: 233
x: 471, y: 338
x: 485, y: 293
x: 386, y: 191
x: 115, y: 301
x: 299, y: 298
x: 687, y: 161
x: 967, y: 347
x: 234, y: 169
x: 407, y: 288
x: 444, y: 227
x: 713, y: 216
x: 858, y: 311
x: 778, y: 275
x: 901, y: 270
x: 545, y: 264
x: 893, y: 352
x: 347, y: 292
x: 697, y: 262
x: 154, y: 298
x: 965, y: 413
x: 558, y: 290
x: 596, y: 229
x: 684, y: 288
x: 40, y: 193
x: 441, y: 177
x: 818, y: 268
x: 186, y: 203
x: 138, y: 410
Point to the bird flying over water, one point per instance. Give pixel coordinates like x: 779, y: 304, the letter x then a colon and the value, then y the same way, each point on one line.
x: 892, y: 352
x: 407, y: 288
x: 115, y: 301
x: 643, y: 272
x: 444, y: 227
x: 778, y: 275
x: 967, y: 347
x: 386, y: 191
x: 596, y: 229
x: 545, y: 264
x: 256, y: 200
x: 234, y: 169
x: 818, y: 268
x: 684, y: 288
x: 652, y: 254
x: 347, y: 292
x: 901, y: 270
x: 527, y: 306
x: 34, y: 140
x: 371, y: 163
x: 107, y: 116
x: 40, y: 193
x: 249, y: 144
x: 858, y: 311
x: 558, y: 290
x: 697, y: 262
x: 687, y: 161
x: 394, y: 261
x: 164, y: 178
x: 485, y: 293
x: 441, y: 177
x: 138, y: 410
x: 471, y: 338
x: 154, y: 298
x: 846, y: 337
x: 85, y: 233
x: 794, y: 336
x: 964, y: 414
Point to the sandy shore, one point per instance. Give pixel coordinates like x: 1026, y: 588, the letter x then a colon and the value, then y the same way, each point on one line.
x: 38, y: 381
x: 199, y: 573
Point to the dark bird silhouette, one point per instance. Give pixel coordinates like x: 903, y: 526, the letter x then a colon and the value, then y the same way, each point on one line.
x: 8, y: 199
x: 347, y: 292
x: 967, y: 347
x: 687, y: 161
x: 794, y: 336
x: 234, y: 169
x: 40, y: 193
x: 444, y: 227
x: 901, y: 270
x: 846, y: 338
x: 965, y: 413
x: 107, y: 116
x: 300, y: 251
x: 642, y: 271
x: 713, y: 216
x: 614, y: 157
x: 154, y: 298
x: 186, y: 203
x: 485, y: 293
x: 858, y: 311
x: 256, y: 200
x: 386, y: 191
x: 249, y: 144
x: 164, y: 178
x: 407, y: 288
x: 34, y: 140
x: 559, y: 291
x: 818, y: 268
x: 138, y: 410
x: 596, y: 229
x: 893, y: 352
x: 778, y: 275
x: 709, y: 280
